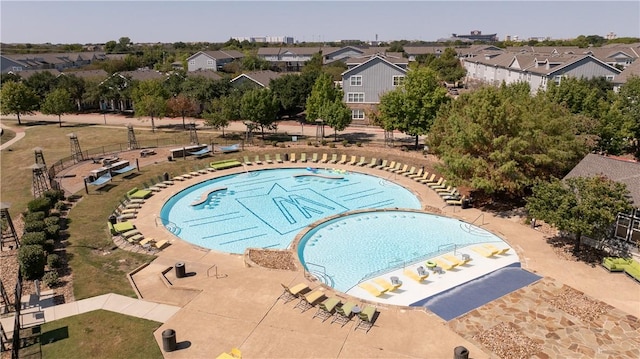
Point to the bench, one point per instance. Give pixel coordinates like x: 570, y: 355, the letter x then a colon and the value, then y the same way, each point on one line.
x: 224, y: 164
x: 136, y: 193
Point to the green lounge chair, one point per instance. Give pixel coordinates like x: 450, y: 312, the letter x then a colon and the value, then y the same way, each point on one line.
x: 343, y: 313
x: 122, y: 227
x: 326, y: 308
x: 136, y: 193
x: 613, y: 264
x: 366, y: 317
x: 633, y: 270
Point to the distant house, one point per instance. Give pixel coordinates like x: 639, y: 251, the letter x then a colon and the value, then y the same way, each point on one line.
x: 57, y: 61
x: 631, y: 70
x: 290, y: 59
x: 212, y: 60
x: 367, y: 79
x: 537, y: 70
x: 256, y: 79
x: 208, y: 74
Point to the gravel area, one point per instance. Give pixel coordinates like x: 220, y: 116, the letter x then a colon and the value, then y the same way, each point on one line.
x: 273, y: 259
x: 506, y: 341
x: 577, y: 304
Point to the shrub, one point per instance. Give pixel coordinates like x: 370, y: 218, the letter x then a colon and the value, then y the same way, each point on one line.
x: 34, y: 226
x: 54, y: 195
x: 345, y: 143
x: 52, y: 221
x: 50, y: 279
x: 332, y: 145
x: 60, y: 206
x: 358, y: 144
x: 54, y: 261
x: 309, y: 143
x: 34, y: 216
x: 34, y: 238
x: 281, y: 145
x: 32, y: 260
x: 49, y: 246
x: 53, y: 231
x: 324, y: 142
x: 40, y: 204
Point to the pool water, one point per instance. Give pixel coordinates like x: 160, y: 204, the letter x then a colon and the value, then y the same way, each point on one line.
x: 267, y: 208
x: 344, y: 251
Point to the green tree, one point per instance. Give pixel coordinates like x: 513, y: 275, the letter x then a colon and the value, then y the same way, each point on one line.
x: 58, y: 102
x: 16, y: 98
x: 181, y: 106
x: 74, y: 85
x: 336, y: 115
x: 412, y: 107
x: 448, y: 66
x: 32, y: 259
x: 251, y: 62
x: 41, y: 83
x: 580, y: 205
x: 9, y: 77
x: 628, y: 103
x: 492, y: 141
x: 323, y: 93
x: 223, y: 110
x: 149, y: 100
x: 292, y: 91
x: 259, y: 107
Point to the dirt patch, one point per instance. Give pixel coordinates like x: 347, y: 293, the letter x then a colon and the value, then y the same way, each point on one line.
x: 506, y: 341
x: 273, y: 259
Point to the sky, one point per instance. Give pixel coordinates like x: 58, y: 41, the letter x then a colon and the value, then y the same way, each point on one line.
x: 308, y: 21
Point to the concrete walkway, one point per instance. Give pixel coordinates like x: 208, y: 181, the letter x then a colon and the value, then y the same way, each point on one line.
x: 19, y: 135
x: 42, y: 310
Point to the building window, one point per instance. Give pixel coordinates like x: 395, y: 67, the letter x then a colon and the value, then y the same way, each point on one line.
x: 557, y: 79
x: 357, y: 114
x: 398, y: 80
x: 355, y: 97
x: 209, y: 62
x: 192, y: 62
x: 16, y: 68
x: 355, y: 80
x: 610, y: 77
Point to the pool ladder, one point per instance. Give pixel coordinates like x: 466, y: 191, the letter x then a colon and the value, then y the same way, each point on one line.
x: 319, y: 273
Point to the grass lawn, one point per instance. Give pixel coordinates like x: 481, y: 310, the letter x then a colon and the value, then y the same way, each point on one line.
x: 7, y: 135
x: 99, y: 334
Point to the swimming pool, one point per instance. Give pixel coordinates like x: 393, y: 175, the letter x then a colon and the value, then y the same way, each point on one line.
x: 266, y: 208
x: 344, y: 251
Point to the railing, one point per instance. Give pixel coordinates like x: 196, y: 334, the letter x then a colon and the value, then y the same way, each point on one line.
x: 404, y: 263
x: 170, y: 226
x: 322, y: 270
x: 480, y: 216
x: 215, y: 266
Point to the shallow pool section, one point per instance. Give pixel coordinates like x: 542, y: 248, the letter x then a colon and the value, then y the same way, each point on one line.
x: 267, y: 208
x: 347, y: 250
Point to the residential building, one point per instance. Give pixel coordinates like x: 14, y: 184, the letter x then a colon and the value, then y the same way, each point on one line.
x: 212, y: 60
x: 290, y: 58
x: 256, y: 79
x: 58, y: 61
x: 621, y: 79
x: 367, y: 79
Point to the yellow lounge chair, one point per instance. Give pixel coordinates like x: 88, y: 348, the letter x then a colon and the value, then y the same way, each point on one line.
x: 362, y: 162
x: 373, y: 163
x: 308, y: 300
x: 416, y: 175
x: 415, y: 275
x: 292, y: 158
x: 343, y: 160
x: 246, y: 161
x: 372, y: 289
x: 483, y: 251
x: 409, y: 172
x: 353, y: 160
x: 381, y: 166
x: 334, y: 158
x: 303, y: 157
x: 426, y: 179
x: 400, y: 171
x: 278, y: 158
x: 442, y: 264
x: 314, y: 158
x: 324, y: 158
x: 390, y: 287
x: 267, y: 159
x: 455, y: 260
x: 161, y: 244
x: 291, y: 293
x: 495, y: 249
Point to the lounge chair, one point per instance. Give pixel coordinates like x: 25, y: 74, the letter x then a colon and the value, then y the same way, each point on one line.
x: 146, y: 241
x: 633, y: 270
x: 324, y: 158
x: 362, y: 162
x: 449, y: 190
x: 353, y: 161
x: 435, y: 184
x: 391, y: 166
x: 454, y: 201
x: 278, y: 158
x: 236, y: 353
x: 436, y: 187
x: 127, y: 216
x: 366, y: 318
x: 613, y: 264
x: 495, y: 249
x: 483, y: 251
x: 373, y: 163
x: 425, y: 179
x: 158, y: 184
x: 309, y: 300
x: 290, y: 294
x: 416, y: 175
x: 292, y: 158
x: 314, y: 157
x: 442, y: 264
x: 303, y: 157
x: 400, y: 171
x: 257, y: 160
x: 382, y: 165
x: 267, y: 159
x: 409, y: 172
x: 334, y: 158
x: 415, y: 275
x: 455, y: 260
x: 385, y: 284
x: 161, y: 244
x: 343, y: 160
x: 372, y: 289
x: 247, y: 162
x: 326, y: 308
x: 343, y: 313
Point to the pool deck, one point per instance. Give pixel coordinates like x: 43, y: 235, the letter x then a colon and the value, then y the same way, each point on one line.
x: 226, y: 304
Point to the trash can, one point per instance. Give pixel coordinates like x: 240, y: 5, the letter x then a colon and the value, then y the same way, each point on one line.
x: 466, y: 203
x: 169, y: 340
x: 165, y: 176
x: 113, y: 219
x: 169, y: 158
x: 460, y: 353
x: 180, y: 270
x: 286, y: 157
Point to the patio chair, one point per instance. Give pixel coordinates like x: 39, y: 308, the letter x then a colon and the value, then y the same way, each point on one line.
x: 353, y: 160
x: 247, y: 162
x: 389, y: 286
x: 483, y: 251
x: 362, y: 162
x: 382, y: 165
x: 416, y: 175
x: 495, y: 249
x: 303, y: 157
x: 373, y: 163
x: 314, y: 157
x: 292, y: 293
x: 257, y: 160
x: 400, y: 171
x: 278, y: 158
x: 343, y: 313
x: 395, y: 169
x: 372, y: 289
x: 292, y: 157
x: 267, y: 159
x: 324, y: 158
x: 415, y: 275
x: 309, y: 300
x: 409, y: 172
x: 366, y: 317
x: 326, y: 308
x: 391, y: 166
x: 455, y: 260
x: 343, y: 160
x: 334, y: 158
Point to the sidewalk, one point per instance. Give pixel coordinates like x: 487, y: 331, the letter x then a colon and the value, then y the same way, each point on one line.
x: 41, y: 310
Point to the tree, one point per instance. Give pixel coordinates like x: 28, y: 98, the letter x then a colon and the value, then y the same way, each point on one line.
x: 259, y: 107
x: 628, y: 103
x: 292, y: 91
x: 580, y: 205
x: 32, y: 259
x: 492, y: 141
x: 254, y: 63
x: 447, y: 66
x: 182, y: 106
x: 41, y: 83
x: 337, y: 115
x: 74, y: 85
x: 324, y: 92
x: 16, y: 98
x: 223, y: 110
x: 412, y: 107
x: 149, y: 100
x: 9, y: 77
x: 58, y: 102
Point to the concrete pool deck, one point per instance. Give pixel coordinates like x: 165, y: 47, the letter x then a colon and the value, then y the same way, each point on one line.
x: 226, y: 304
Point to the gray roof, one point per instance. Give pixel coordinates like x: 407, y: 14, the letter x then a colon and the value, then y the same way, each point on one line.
x: 221, y: 54
x: 631, y: 70
x: 262, y: 78
x: 616, y: 169
x: 25, y: 74
x: 87, y: 74
x: 143, y: 75
x: 209, y: 74
x: 391, y: 57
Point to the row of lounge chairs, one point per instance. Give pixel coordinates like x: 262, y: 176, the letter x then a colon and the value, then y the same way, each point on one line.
x: 129, y: 233
x: 196, y: 171
x: 627, y: 265
x: 489, y: 250
x: 329, y: 307
x: 382, y: 286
